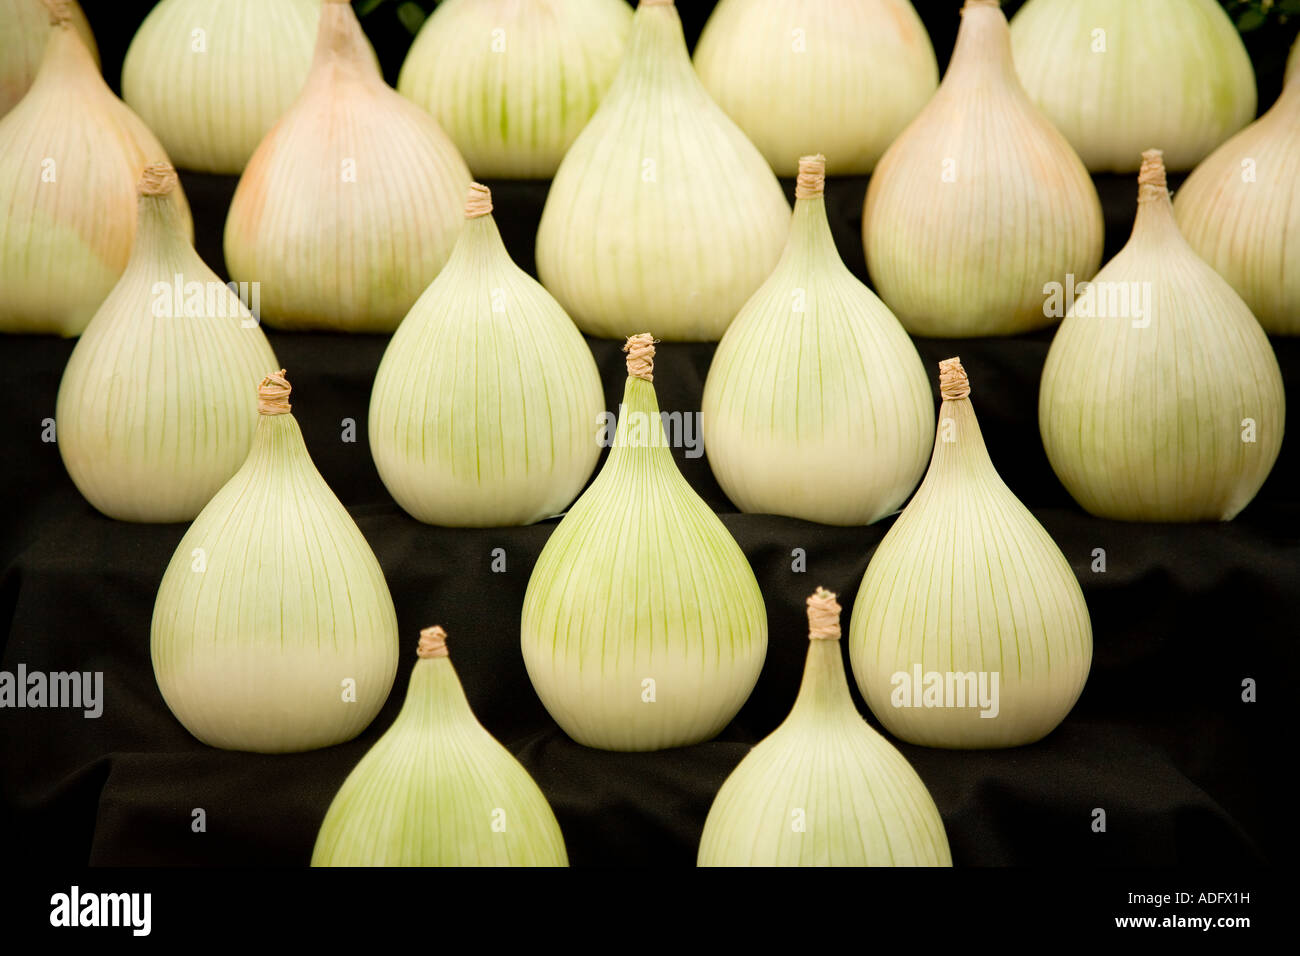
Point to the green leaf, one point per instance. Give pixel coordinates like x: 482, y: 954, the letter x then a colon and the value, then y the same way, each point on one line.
x: 365, y: 7
x: 1250, y: 20
x: 412, y: 16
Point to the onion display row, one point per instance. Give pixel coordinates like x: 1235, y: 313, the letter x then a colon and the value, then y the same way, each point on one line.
x: 663, y: 212
x: 643, y: 626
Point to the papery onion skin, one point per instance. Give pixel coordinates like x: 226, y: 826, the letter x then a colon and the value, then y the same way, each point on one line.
x: 156, y: 412
x: 1177, y: 415
x: 438, y: 790
x: 211, y: 77
x: 70, y: 155
x: 816, y: 403
x: 1173, y: 73
x: 1293, y: 61
x: 824, y: 789
x: 377, y: 180
x: 486, y: 407
x: 662, y: 213
x: 641, y: 582
x: 513, y: 84
x: 980, y: 202
x: 1240, y: 211
x: 967, y: 582
x: 273, y: 629
x: 22, y: 44
x: 806, y: 76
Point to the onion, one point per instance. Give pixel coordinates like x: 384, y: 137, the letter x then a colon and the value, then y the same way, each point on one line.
x: 970, y: 628
x: 816, y: 405
x: 22, y: 44
x: 487, y: 404
x: 157, y: 407
x: 824, y: 788
x: 980, y: 203
x: 352, y: 202
x: 1115, y: 76
x: 1161, y: 398
x: 437, y: 790
x: 211, y: 77
x: 273, y: 629
x: 866, y: 64
x: 643, y: 626
x: 662, y: 213
x: 1240, y: 211
x: 71, y: 154
x: 514, y: 83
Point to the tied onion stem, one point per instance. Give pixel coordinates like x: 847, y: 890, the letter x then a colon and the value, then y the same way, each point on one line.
x: 437, y: 789
x: 1161, y: 398
x: 824, y: 788
x: 643, y: 626
x: 487, y: 404
x: 970, y: 629
x: 816, y: 368
x: 273, y: 629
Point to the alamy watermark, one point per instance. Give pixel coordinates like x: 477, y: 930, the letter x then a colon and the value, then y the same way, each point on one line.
x: 75, y: 908
x: 1099, y: 300
x: 181, y: 299
x: 78, y: 690
x: 643, y: 430
x: 946, y: 689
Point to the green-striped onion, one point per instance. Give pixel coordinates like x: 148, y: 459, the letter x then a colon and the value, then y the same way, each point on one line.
x: 352, y: 203
x: 662, y: 213
x: 514, y: 83
x: 273, y: 629
x: 71, y: 154
x: 980, y: 202
x: 157, y: 405
x: 211, y: 77
x: 816, y: 405
x: 824, y: 788
x: 486, y: 407
x: 643, y: 626
x: 1240, y: 211
x: 437, y: 789
x: 970, y: 629
x: 1173, y: 413
x: 809, y: 76
x: 1117, y: 75
x: 22, y: 44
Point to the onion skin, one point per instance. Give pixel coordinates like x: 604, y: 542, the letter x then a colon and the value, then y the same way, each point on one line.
x: 71, y: 154
x: 22, y: 44
x: 513, y: 84
x: 766, y: 61
x: 486, y: 407
x: 156, y: 412
x: 1240, y: 211
x: 816, y: 403
x: 968, y: 582
x: 376, y: 177
x: 1176, y: 415
x: 253, y: 650
x: 642, y: 582
x: 662, y: 214
x: 980, y: 202
x: 1174, y: 74
x: 824, y: 789
x: 218, y: 102
x: 438, y: 790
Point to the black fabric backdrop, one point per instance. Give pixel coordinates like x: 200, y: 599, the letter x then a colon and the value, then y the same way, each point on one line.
x: 1161, y: 739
